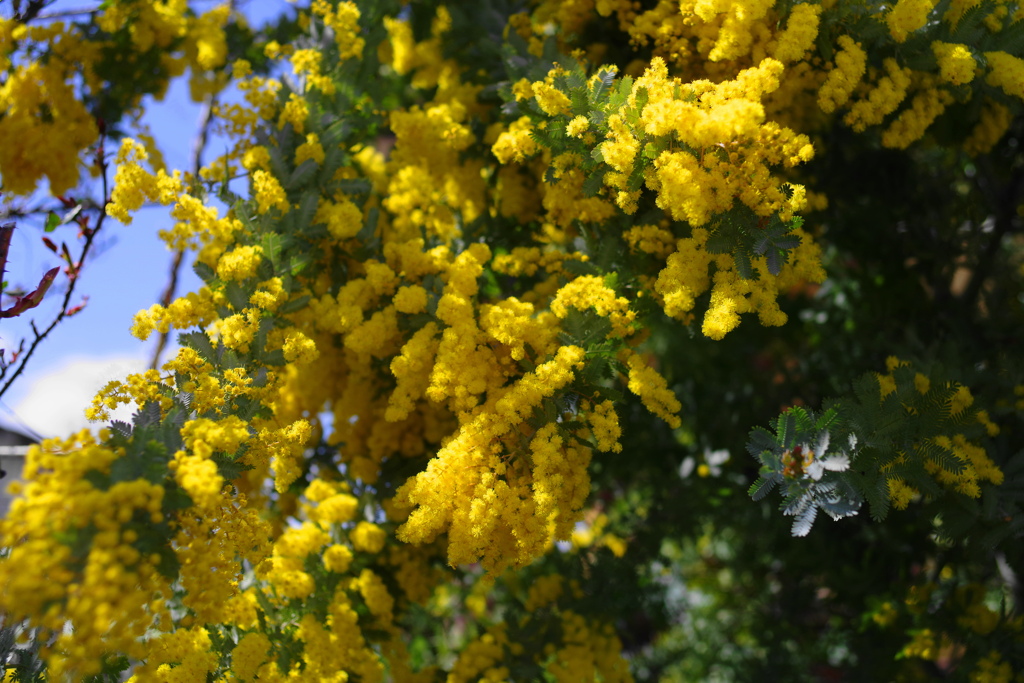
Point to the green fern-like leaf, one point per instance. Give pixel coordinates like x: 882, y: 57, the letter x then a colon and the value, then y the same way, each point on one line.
x: 601, y: 86
x: 760, y: 440
x: 761, y: 488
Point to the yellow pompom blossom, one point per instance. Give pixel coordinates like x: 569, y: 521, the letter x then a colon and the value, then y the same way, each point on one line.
x: 281, y: 448
x: 184, y: 312
x: 241, y: 69
x: 651, y: 387
x: 991, y: 428
x: 198, y: 477
x: 376, y: 596
x: 212, y: 544
x: 252, y: 650
x: 310, y: 149
x: 544, y: 591
x: 994, y: 121
x: 133, y: 186
x: 338, y: 558
x: 287, y: 577
x: 851, y: 61
x: 921, y: 645
x: 589, y: 292
x: 651, y: 239
x: 516, y: 324
x: 307, y: 63
x: 515, y: 144
x: 332, y: 507
x: 38, y: 144
x: 240, y: 263
x: 207, y: 44
x: 367, y: 537
x: 343, y: 219
x: 552, y: 101
x: 56, y: 70
x: 344, y: 20
x: 269, y: 294
x: 433, y: 183
x: 604, y: 424
x: 91, y: 598
x: 199, y: 227
x: 237, y: 331
x: 275, y: 50
x: 694, y: 187
x: 157, y: 24
x: 522, y: 90
x: 882, y: 99
x: 686, y: 276
x: 411, y: 299
x: 577, y: 127
x: 900, y: 493
x: 991, y: 669
x: 478, y: 659
x: 456, y: 379
x: 268, y: 192
x: 412, y: 368
x: 510, y: 521
x: 184, y: 654
x: 956, y: 63
x: 801, y: 30
x: 205, y: 437
x: 913, y: 121
x: 588, y: 652
x: 975, y: 467
x: 298, y: 348
x: 737, y: 22
x: 689, y: 186
x: 960, y: 400
x: 138, y: 388
x: 908, y: 16
x: 1006, y: 72
x: 295, y: 112
x: 621, y: 147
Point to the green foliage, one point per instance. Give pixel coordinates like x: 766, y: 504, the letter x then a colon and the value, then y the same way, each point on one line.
x: 802, y: 460
x: 709, y: 585
x: 899, y: 439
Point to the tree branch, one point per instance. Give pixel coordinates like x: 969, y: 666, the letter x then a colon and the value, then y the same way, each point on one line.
x: 1005, y: 205
x: 73, y: 270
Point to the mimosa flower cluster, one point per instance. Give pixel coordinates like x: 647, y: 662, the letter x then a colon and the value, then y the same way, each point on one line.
x: 44, y: 120
x: 427, y: 314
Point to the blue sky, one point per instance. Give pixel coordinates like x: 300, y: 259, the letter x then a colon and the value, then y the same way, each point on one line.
x: 128, y: 272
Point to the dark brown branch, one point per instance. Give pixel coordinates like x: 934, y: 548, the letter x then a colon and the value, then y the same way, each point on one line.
x: 1005, y: 205
x: 32, y: 10
x: 68, y: 13
x: 74, y: 270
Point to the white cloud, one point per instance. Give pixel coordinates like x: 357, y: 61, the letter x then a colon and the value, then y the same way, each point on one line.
x: 56, y: 402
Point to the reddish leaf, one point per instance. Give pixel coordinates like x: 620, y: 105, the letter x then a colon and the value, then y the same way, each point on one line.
x: 6, y: 232
x: 32, y: 299
x: 75, y: 309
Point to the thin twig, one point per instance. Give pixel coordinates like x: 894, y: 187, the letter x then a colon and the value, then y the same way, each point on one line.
x: 74, y: 272
x: 196, y: 163
x: 68, y: 13
x: 31, y: 11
